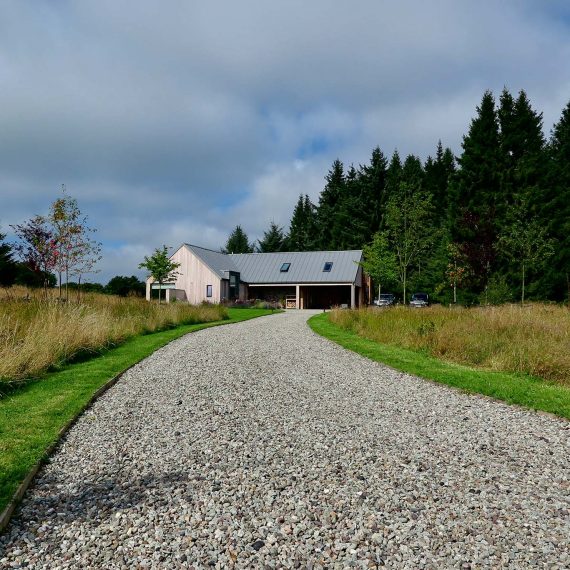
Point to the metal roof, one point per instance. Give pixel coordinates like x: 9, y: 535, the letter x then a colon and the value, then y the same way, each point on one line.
x: 306, y: 266
x: 217, y: 261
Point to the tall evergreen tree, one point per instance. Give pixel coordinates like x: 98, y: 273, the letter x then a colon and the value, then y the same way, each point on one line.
x: 302, y: 230
x: 273, y: 239
x: 413, y: 172
x: 555, y: 210
x: 438, y: 173
x: 238, y: 242
x: 349, y: 223
x: 475, y: 191
x: 373, y: 196
x: 328, y: 203
x: 478, y: 178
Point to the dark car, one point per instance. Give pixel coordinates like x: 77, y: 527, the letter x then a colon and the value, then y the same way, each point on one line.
x: 419, y: 300
x: 385, y: 300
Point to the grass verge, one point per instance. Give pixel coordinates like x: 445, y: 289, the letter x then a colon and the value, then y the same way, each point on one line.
x: 512, y: 388
x: 32, y: 416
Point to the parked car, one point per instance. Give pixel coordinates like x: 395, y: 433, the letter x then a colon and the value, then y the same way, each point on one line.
x: 419, y: 300
x: 385, y: 300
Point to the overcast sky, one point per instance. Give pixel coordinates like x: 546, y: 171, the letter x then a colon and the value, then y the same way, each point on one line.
x: 173, y: 121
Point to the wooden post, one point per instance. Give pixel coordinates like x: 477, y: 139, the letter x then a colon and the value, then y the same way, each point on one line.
x: 297, y: 297
x: 352, y: 296
x: 148, y: 285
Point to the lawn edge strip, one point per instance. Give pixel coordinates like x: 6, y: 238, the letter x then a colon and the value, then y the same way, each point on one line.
x: 177, y: 333
x: 23, y: 487
x: 530, y: 393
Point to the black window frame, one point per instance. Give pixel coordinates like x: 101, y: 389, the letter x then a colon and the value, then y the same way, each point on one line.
x: 327, y: 267
x: 209, y: 292
x: 285, y: 267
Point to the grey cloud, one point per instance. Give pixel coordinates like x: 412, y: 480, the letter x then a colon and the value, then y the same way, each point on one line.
x: 175, y: 121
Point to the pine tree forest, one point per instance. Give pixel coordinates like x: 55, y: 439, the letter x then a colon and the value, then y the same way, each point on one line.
x: 490, y: 225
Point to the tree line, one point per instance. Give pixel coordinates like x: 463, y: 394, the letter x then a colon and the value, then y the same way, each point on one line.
x: 489, y: 225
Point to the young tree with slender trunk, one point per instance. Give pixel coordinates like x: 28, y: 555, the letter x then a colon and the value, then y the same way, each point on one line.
x: 77, y: 252
x: 37, y: 247
x: 457, y: 269
x: 409, y: 227
x: 379, y: 261
x: 524, y: 240
x: 160, y: 267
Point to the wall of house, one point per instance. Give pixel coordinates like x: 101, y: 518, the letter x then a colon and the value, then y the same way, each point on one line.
x: 193, y: 278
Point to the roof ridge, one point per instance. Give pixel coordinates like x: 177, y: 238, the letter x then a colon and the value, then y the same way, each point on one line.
x: 286, y: 252
x: 205, y: 248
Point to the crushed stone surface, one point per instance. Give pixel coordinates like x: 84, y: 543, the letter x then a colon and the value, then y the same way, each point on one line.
x: 263, y: 445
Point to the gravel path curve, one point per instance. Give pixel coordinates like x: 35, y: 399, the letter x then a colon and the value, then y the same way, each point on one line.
x: 262, y: 445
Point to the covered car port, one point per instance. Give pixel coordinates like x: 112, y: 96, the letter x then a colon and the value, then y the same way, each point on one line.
x: 304, y: 280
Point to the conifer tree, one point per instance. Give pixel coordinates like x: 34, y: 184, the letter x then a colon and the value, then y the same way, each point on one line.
x: 273, y: 239
x: 555, y: 210
x: 238, y: 242
x: 302, y: 228
x: 478, y: 179
x: 328, y: 204
x: 372, y: 196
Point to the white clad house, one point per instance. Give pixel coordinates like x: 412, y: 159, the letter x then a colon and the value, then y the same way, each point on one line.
x: 303, y: 280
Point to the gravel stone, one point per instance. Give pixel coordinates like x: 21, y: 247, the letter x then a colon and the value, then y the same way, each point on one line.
x: 264, y: 434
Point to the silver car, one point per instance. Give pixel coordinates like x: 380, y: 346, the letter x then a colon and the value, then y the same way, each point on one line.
x: 419, y: 300
x: 385, y: 300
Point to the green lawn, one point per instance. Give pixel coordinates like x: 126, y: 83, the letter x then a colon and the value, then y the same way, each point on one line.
x: 32, y: 416
x: 520, y: 389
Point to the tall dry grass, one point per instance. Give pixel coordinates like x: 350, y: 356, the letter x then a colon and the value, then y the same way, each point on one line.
x: 533, y: 339
x: 36, y: 334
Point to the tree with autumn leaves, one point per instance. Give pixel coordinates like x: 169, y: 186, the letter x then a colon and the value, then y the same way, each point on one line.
x: 61, y: 242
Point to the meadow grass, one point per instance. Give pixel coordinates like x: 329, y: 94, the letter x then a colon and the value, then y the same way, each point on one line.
x: 532, y: 339
x: 38, y: 334
x: 32, y: 414
x: 513, y: 388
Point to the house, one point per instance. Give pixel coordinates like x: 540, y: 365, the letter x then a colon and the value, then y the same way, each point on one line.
x: 304, y: 280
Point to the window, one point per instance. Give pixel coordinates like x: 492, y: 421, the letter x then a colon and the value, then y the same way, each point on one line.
x: 208, y: 290
x: 285, y: 267
x: 328, y: 266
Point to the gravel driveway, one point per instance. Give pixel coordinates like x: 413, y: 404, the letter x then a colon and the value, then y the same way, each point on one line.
x: 262, y: 445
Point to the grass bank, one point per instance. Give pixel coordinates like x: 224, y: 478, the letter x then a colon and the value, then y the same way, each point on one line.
x: 32, y: 415
x: 513, y: 388
x: 532, y: 339
x: 38, y: 334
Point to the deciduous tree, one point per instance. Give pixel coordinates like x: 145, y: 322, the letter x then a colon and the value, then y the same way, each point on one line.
x: 410, y: 229
x: 379, y: 261
x: 37, y: 247
x: 160, y: 267
x: 525, y: 240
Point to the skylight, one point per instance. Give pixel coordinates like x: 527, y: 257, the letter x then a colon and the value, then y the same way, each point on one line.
x: 285, y: 267
x: 328, y: 266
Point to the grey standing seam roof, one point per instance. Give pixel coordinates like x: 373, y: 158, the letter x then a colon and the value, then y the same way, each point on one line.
x: 306, y: 266
x: 218, y: 262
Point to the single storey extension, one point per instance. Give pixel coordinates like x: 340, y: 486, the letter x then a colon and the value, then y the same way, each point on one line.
x: 302, y: 280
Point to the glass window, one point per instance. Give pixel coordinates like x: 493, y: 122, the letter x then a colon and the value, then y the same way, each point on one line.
x: 285, y: 267
x: 328, y: 266
x: 208, y: 290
